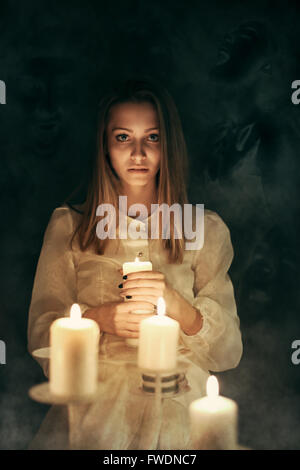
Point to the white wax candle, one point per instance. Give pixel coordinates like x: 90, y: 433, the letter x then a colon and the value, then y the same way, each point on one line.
x: 158, y: 341
x: 134, y: 267
x: 213, y: 420
x: 74, y: 345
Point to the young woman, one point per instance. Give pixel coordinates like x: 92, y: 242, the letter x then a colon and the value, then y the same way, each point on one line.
x: 141, y: 154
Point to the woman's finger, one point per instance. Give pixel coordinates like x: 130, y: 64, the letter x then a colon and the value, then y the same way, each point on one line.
x: 155, y: 283
x: 140, y: 304
x: 150, y: 298
x: 145, y: 275
x: 131, y: 334
x: 142, y: 291
x: 128, y: 333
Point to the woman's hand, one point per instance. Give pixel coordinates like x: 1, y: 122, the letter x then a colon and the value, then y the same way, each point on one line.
x: 149, y: 285
x: 116, y: 318
x: 146, y: 286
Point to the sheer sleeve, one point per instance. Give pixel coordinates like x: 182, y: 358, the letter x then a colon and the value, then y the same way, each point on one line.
x: 218, y: 345
x: 54, y: 290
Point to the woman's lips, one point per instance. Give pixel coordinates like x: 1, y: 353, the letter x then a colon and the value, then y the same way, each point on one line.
x: 138, y: 170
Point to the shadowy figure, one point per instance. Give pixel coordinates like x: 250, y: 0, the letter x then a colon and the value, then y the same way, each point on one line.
x: 252, y: 180
x: 40, y: 93
x: 252, y: 168
x: 269, y: 289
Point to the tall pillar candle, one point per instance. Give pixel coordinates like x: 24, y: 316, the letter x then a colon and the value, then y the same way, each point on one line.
x: 158, y: 341
x: 74, y: 345
x: 213, y: 420
x: 134, y: 267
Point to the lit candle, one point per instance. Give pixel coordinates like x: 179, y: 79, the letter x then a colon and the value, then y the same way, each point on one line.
x: 134, y: 267
x: 74, y: 345
x: 158, y: 341
x: 213, y: 420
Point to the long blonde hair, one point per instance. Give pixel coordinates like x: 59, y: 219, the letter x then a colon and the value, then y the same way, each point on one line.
x: 171, y: 178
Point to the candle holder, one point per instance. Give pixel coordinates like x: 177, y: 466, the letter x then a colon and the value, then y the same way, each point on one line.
x: 167, y: 384
x: 42, y: 353
x: 43, y: 394
x: 159, y: 385
x: 156, y: 385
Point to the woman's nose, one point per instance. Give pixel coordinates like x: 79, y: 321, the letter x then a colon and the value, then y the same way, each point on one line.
x: 138, y: 151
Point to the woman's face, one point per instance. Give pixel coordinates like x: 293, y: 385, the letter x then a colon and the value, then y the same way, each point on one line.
x: 133, y: 142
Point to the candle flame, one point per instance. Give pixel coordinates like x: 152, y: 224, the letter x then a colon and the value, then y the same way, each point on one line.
x: 212, y: 387
x: 75, y: 313
x: 161, y: 306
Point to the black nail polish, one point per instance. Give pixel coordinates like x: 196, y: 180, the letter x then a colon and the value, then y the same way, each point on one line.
x: 128, y: 296
x: 120, y: 286
x: 124, y: 277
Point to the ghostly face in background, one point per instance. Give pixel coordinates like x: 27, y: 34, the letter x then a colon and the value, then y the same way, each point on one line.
x: 244, y: 50
x: 247, y: 63
x: 269, y: 282
x: 41, y: 91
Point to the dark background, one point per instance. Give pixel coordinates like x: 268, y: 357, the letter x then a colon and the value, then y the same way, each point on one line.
x: 229, y: 66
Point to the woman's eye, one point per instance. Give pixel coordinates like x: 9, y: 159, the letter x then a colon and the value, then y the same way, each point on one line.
x: 154, y: 137
x: 122, y: 137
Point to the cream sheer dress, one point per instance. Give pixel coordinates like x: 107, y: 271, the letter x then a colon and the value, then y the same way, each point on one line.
x: 123, y: 418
